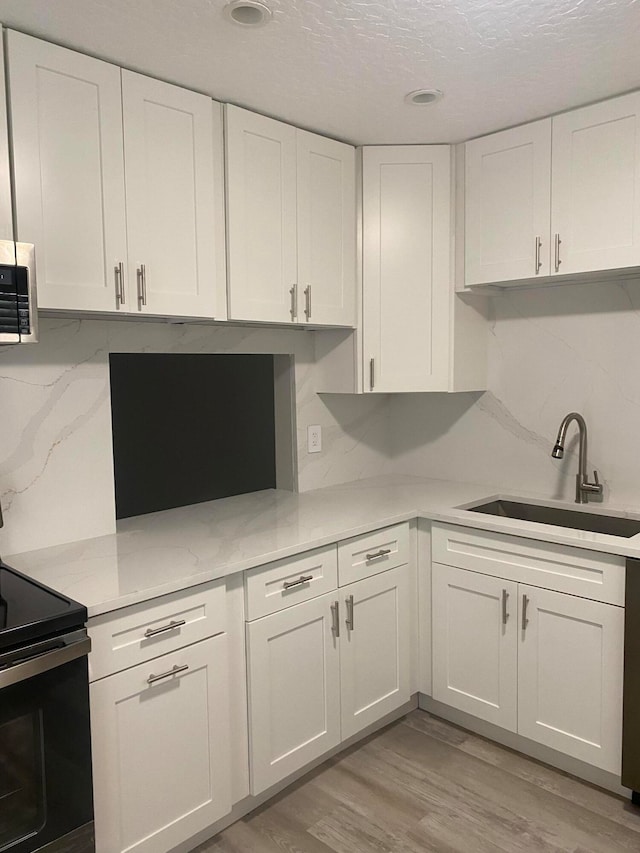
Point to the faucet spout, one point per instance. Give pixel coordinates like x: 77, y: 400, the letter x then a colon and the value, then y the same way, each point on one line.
x: 583, y: 487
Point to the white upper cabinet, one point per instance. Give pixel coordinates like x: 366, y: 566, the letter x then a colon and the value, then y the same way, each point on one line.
x: 66, y: 126
x: 149, y: 241
x: 558, y: 197
x: 406, y: 267
x: 291, y: 223
x: 6, y: 209
x: 174, y: 199
x: 507, y: 204
x: 261, y: 217
x: 595, y: 212
x: 326, y: 230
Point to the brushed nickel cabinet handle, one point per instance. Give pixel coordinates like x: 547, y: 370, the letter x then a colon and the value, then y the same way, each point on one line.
x: 335, y: 618
x: 173, y: 671
x: 525, y: 604
x: 505, y: 614
x: 301, y: 579
x: 538, y: 261
x: 307, y: 302
x: 293, y: 290
x: 151, y: 632
x: 141, y: 280
x: 349, y: 620
x: 372, y: 372
x: 119, y: 277
x: 381, y: 553
x: 557, y: 252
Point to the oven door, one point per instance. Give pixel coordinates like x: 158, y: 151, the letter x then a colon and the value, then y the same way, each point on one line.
x: 45, y: 745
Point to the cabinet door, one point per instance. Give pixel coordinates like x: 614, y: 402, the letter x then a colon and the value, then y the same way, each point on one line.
x: 171, y: 197
x: 475, y: 647
x: 66, y: 126
x: 326, y: 230
x: 261, y: 217
x: 6, y: 209
x: 406, y: 267
x: 508, y: 204
x: 294, y: 689
x: 374, y: 648
x: 161, y: 751
x: 596, y: 186
x: 570, y: 664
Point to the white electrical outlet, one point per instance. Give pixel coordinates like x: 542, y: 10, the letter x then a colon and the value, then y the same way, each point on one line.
x: 314, y: 439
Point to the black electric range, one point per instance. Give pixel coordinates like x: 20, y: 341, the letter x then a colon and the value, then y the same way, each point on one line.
x: 46, y: 799
x: 31, y: 611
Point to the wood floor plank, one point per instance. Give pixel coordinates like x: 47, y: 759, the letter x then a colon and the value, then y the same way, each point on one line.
x: 423, y: 785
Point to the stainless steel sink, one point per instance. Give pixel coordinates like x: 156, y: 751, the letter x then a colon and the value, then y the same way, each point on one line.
x: 595, y: 523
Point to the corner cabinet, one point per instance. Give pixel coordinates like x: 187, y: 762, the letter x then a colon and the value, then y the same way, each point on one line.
x: 145, y: 239
x: 417, y: 334
x: 291, y: 223
x: 555, y: 199
x: 545, y: 663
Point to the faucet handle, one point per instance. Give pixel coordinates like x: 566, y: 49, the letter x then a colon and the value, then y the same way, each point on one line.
x: 595, y: 478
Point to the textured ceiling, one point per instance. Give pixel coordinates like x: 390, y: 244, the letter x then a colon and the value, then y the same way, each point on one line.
x: 342, y: 67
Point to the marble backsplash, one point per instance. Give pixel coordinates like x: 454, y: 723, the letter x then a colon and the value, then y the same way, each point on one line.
x: 56, y: 468
x: 551, y: 351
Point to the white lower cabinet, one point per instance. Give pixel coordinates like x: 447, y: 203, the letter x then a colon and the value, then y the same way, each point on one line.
x: 475, y: 652
x: 570, y: 675
x: 160, y: 737
x: 374, y: 649
x: 548, y: 667
x: 323, y: 670
x: 294, y: 689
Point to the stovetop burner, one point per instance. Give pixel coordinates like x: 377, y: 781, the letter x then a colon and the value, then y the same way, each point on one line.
x: 30, y: 611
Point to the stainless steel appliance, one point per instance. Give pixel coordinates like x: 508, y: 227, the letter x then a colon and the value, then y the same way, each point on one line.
x: 46, y: 800
x: 18, y: 307
x: 631, y: 713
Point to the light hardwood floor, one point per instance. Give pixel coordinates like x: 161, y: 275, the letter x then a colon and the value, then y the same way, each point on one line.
x: 425, y: 785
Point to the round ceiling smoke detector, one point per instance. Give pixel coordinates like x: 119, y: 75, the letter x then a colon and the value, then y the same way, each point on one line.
x: 422, y: 97
x: 248, y: 13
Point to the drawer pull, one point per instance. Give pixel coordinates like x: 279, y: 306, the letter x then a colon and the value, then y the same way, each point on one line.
x: 173, y: 671
x: 335, y: 618
x: 381, y: 553
x: 349, y: 620
x: 301, y: 579
x: 151, y: 632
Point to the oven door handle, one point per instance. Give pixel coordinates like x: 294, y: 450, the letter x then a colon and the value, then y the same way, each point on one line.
x: 43, y: 663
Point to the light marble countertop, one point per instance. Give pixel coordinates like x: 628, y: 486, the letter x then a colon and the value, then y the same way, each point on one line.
x: 166, y: 551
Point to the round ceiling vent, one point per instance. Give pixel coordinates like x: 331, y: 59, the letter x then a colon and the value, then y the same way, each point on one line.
x: 422, y: 97
x: 248, y: 13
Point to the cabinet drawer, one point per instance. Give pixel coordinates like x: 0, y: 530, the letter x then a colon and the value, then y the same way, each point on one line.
x: 576, y: 571
x: 144, y: 631
x: 371, y: 553
x: 286, y: 582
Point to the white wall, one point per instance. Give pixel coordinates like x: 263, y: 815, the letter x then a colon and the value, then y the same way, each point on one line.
x: 551, y: 351
x: 56, y: 475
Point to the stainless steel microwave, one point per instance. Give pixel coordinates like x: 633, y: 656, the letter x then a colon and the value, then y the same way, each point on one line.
x: 18, y: 308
